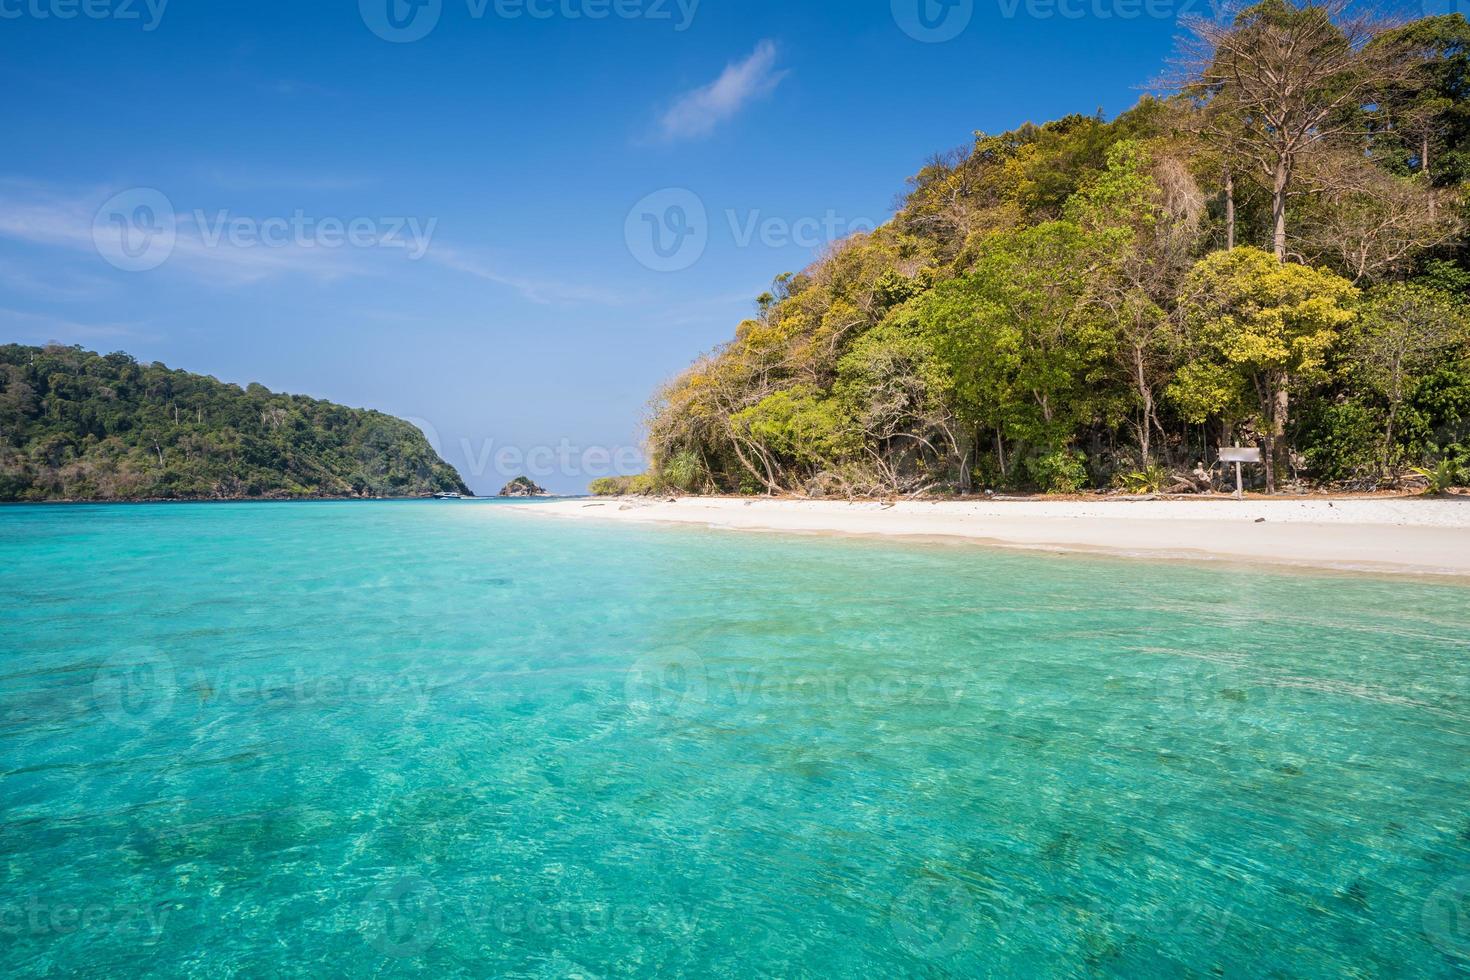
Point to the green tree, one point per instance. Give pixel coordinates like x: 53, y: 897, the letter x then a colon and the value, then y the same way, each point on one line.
x: 1023, y: 339
x: 1263, y: 328
x: 1403, y: 332
x: 1145, y: 212
x: 1423, y: 122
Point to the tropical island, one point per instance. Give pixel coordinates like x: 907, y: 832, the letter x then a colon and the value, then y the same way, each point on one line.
x: 523, y: 486
x: 75, y: 425
x: 1271, y: 254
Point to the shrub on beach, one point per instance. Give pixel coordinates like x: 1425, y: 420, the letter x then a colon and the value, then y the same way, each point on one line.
x: 623, y: 486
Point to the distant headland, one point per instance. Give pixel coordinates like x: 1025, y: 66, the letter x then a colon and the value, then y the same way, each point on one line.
x: 76, y: 425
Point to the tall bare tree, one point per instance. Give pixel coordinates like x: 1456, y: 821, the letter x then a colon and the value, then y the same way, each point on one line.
x: 1368, y: 223
x: 1279, y: 79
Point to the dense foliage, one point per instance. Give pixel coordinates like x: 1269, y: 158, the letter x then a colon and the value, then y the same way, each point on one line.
x: 81, y: 426
x: 1087, y: 303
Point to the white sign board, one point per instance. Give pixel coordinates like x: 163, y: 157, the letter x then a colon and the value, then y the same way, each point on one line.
x: 1237, y: 455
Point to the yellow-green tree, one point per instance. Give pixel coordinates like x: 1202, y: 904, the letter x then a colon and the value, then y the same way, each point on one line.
x: 1257, y: 330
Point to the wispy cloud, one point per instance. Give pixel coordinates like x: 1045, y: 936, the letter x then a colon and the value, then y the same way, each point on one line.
x: 40, y: 327
x: 258, y: 180
x: 54, y: 284
x: 43, y: 216
x: 288, y: 88
x: 46, y: 218
x: 543, y: 291
x: 697, y: 113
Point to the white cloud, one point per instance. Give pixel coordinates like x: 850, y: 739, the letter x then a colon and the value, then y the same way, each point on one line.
x: 242, y: 179
x: 50, y: 283
x: 697, y: 113
x: 535, y: 290
x: 42, y: 328
x: 205, y: 253
x: 47, y: 218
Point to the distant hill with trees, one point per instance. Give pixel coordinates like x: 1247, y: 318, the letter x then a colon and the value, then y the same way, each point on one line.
x: 75, y: 425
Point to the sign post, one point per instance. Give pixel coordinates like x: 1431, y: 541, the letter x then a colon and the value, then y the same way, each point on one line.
x: 1237, y: 455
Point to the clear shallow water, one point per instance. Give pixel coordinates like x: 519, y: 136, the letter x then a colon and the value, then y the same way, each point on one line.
x: 389, y: 739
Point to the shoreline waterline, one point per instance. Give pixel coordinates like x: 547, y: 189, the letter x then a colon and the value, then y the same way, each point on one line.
x: 1395, y: 536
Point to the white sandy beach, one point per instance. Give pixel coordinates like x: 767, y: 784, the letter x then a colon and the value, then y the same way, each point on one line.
x: 1398, y: 535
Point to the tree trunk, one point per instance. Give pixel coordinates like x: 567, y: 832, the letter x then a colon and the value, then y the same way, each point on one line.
x: 1229, y: 210
x: 1279, y: 461
x: 769, y: 483
x: 1393, y: 411
x: 1424, y: 169
x: 965, y: 445
x: 1278, y: 209
x: 1141, y: 378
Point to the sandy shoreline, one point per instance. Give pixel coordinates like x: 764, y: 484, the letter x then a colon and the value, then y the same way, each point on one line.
x: 1393, y: 535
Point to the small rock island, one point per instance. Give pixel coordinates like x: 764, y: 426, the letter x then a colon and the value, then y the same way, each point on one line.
x: 522, y: 487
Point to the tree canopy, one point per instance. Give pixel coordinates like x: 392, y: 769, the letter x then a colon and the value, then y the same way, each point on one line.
x: 83, y: 426
x: 1273, y: 254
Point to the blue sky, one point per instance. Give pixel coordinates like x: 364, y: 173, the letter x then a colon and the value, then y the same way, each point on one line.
x: 458, y: 228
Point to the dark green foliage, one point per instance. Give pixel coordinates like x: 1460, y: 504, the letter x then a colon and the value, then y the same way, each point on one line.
x: 1437, y: 416
x: 80, y: 426
x: 1343, y: 441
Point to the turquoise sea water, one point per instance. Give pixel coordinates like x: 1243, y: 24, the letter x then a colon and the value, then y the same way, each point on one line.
x: 452, y: 740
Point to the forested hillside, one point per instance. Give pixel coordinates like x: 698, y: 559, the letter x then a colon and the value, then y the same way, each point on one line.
x: 80, y: 426
x: 1270, y: 252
